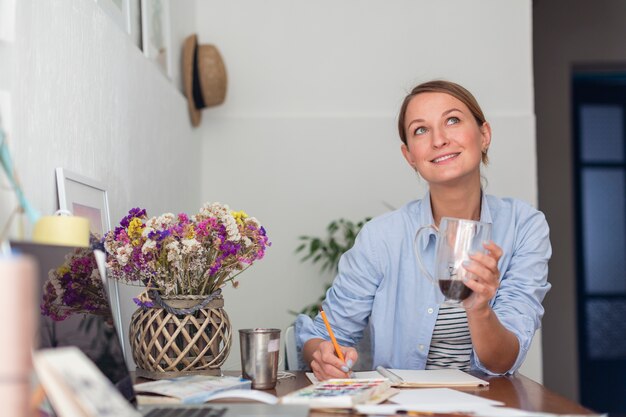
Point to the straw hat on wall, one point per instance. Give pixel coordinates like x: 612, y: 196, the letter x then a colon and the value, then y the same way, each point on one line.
x: 204, y: 77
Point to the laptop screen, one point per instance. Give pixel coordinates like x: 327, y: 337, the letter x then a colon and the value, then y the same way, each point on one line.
x: 74, y: 309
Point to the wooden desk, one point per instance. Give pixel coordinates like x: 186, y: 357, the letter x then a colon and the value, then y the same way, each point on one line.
x: 515, y: 391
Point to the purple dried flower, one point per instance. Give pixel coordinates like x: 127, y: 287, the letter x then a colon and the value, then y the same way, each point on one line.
x: 74, y: 288
x: 229, y: 248
x: 215, y: 267
x: 159, y: 235
x: 143, y: 304
x: 132, y: 213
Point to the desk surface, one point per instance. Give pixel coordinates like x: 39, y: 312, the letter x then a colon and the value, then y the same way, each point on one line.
x: 515, y: 391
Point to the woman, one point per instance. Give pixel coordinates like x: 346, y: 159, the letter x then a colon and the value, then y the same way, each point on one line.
x: 445, y: 138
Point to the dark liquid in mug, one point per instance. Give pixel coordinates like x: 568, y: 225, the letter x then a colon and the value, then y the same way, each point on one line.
x: 454, y: 289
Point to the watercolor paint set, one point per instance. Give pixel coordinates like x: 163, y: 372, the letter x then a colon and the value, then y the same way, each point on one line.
x: 341, y: 393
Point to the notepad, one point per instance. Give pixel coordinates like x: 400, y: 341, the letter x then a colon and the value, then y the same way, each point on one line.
x: 413, y: 378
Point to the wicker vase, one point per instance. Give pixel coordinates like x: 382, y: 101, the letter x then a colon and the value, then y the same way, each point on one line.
x: 180, y: 336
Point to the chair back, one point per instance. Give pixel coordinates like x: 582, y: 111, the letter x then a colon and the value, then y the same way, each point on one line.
x: 291, y: 352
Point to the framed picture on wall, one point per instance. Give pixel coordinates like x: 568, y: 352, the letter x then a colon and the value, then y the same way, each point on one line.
x: 84, y: 197
x: 118, y: 11
x: 155, y: 33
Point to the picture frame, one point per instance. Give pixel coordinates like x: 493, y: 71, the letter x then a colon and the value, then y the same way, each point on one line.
x: 84, y: 197
x: 135, y: 22
x: 155, y: 34
x: 7, y: 20
x: 119, y: 12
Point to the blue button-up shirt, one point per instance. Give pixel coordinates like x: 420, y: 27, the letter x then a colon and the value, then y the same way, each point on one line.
x: 380, y: 283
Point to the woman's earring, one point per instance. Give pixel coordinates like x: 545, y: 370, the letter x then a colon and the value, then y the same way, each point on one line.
x: 484, y: 156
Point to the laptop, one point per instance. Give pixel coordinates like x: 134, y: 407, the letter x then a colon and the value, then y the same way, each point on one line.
x: 88, y: 325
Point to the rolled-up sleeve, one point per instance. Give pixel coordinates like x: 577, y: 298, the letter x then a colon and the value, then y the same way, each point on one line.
x: 523, y: 284
x: 348, y: 302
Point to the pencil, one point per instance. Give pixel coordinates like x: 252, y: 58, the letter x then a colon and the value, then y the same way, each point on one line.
x: 332, y: 336
x: 411, y: 413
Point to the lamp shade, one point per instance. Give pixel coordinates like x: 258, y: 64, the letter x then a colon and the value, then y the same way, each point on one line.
x: 62, y: 230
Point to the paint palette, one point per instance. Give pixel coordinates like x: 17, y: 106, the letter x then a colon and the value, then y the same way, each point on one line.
x: 340, y: 393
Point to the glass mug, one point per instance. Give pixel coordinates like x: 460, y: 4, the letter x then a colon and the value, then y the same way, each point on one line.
x: 456, y: 240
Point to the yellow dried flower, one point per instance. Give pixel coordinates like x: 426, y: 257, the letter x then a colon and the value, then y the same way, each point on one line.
x: 134, y: 231
x: 239, y: 216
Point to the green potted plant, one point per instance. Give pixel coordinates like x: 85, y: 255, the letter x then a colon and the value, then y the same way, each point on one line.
x: 326, y: 252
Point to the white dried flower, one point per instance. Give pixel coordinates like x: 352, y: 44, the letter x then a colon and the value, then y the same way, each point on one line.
x: 122, y: 254
x: 166, y: 219
x: 190, y: 242
x: 150, y: 245
x: 58, y: 289
x: 173, y: 253
x: 254, y: 221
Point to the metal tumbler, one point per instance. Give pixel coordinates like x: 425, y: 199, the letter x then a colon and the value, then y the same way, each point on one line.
x: 259, y: 356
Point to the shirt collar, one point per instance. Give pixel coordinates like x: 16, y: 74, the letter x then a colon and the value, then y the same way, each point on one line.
x: 426, y: 216
x: 485, y: 213
x: 425, y: 219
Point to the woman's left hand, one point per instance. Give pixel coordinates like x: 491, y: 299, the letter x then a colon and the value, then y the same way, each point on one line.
x: 484, y: 277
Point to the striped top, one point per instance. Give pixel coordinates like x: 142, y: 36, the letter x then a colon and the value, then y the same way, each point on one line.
x: 451, y: 344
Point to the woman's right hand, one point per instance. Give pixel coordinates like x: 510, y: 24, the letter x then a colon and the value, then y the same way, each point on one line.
x: 325, y: 364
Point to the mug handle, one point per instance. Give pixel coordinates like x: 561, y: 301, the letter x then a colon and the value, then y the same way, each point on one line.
x: 420, y: 262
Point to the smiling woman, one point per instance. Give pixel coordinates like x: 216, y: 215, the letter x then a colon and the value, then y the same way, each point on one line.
x: 445, y: 138
x: 438, y: 113
x: 443, y: 141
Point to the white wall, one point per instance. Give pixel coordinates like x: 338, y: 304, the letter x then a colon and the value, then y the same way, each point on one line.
x: 85, y: 98
x: 307, y: 133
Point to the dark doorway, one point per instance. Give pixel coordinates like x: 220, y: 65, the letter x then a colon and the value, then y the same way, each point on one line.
x: 599, y: 116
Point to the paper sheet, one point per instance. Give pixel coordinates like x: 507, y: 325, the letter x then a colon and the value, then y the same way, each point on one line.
x: 473, y: 410
x: 439, y: 397
x: 443, y: 400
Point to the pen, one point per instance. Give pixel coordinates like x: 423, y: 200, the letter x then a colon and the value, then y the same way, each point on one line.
x: 388, y: 374
x: 332, y: 336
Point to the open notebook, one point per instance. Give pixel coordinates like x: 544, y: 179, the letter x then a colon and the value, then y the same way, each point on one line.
x: 423, y: 378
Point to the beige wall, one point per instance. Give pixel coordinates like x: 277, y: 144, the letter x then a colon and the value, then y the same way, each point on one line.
x: 566, y: 33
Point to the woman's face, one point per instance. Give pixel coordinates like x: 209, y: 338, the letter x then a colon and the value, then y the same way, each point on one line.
x: 444, y: 141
